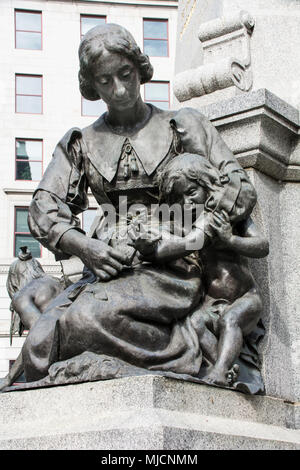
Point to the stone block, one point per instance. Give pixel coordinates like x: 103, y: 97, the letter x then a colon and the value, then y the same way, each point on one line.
x: 147, y: 412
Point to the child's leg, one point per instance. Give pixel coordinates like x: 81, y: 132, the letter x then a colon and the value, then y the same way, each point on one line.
x: 239, y: 320
x: 207, y: 341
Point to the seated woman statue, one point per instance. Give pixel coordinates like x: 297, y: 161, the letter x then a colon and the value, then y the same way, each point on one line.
x: 123, y: 307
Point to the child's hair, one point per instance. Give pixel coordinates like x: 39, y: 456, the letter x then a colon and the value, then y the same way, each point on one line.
x: 192, y: 166
x: 22, y: 271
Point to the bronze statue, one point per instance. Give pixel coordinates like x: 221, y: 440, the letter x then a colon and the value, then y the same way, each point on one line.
x: 146, y: 299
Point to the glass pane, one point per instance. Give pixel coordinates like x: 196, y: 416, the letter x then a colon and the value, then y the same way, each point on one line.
x: 29, y: 149
x: 155, y: 47
x: 29, y: 104
x: 88, y: 218
x: 28, y: 21
x: 155, y: 29
x: 29, y: 171
x: 21, y: 220
x: 26, y: 40
x: 30, y: 242
x: 28, y: 85
x: 88, y: 23
x: 93, y: 108
x: 160, y: 104
x: 157, y: 91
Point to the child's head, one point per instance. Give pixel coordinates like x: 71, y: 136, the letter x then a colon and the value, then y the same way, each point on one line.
x: 188, y: 179
x: 22, y: 271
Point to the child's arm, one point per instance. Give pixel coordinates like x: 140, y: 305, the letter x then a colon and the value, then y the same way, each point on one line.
x: 251, y: 243
x: 165, y: 246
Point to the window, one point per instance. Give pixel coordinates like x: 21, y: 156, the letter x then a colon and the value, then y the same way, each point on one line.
x: 156, y: 38
x: 92, y: 108
x: 29, y: 94
x: 158, y: 94
x: 87, y: 219
x: 23, y: 236
x: 28, y: 29
x: 29, y: 159
x: 88, y: 22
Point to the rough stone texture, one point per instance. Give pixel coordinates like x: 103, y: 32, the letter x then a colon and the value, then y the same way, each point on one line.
x: 278, y: 278
x: 147, y: 412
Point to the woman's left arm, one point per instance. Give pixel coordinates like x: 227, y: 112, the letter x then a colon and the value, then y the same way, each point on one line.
x: 224, y: 160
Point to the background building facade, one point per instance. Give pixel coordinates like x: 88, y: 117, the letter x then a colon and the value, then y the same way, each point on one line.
x: 40, y: 101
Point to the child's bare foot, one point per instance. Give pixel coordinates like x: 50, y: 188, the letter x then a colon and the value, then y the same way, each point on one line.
x: 232, y: 374
x: 216, y: 377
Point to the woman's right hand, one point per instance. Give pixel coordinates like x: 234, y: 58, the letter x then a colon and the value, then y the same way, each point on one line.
x: 105, y: 262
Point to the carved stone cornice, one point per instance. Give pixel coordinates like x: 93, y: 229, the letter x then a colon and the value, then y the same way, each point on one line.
x: 262, y: 130
x: 226, y: 58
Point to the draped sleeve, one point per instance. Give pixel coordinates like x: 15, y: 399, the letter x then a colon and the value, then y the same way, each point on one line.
x: 61, y: 195
x: 208, y: 142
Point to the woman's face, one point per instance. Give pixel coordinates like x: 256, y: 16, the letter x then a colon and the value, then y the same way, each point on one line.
x: 117, y: 81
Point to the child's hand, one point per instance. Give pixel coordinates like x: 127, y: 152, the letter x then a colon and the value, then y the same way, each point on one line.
x: 143, y: 241
x: 221, y: 225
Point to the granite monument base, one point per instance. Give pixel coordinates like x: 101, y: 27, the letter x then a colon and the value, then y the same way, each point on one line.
x: 147, y: 412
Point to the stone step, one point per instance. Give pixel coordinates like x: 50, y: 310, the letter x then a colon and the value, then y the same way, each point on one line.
x: 148, y: 412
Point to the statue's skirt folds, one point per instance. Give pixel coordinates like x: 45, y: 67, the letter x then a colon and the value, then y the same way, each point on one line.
x: 144, y: 317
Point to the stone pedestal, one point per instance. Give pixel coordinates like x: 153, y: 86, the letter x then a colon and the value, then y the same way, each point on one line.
x: 261, y: 126
x: 148, y: 412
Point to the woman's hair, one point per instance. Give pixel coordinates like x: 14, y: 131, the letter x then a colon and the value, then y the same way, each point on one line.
x: 22, y: 271
x: 113, y: 38
x: 192, y: 166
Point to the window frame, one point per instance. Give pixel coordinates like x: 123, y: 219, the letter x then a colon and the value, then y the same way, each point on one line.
x: 20, y: 160
x: 22, y: 94
x: 158, y: 101
x: 16, y: 207
x: 89, y: 115
x: 37, y: 12
x: 162, y: 20
x: 86, y: 15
